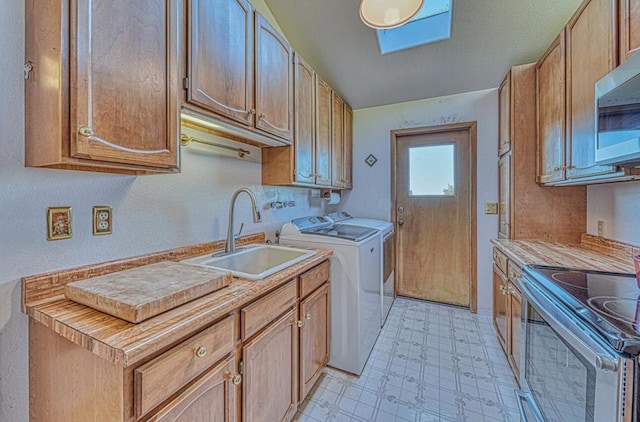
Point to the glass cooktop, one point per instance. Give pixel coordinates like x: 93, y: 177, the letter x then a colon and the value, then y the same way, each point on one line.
x: 610, y: 302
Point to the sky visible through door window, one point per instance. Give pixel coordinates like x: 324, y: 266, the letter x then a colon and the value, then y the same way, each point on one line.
x: 431, y: 24
x: 431, y: 170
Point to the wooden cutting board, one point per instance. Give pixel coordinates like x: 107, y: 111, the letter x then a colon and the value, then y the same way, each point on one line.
x: 142, y: 292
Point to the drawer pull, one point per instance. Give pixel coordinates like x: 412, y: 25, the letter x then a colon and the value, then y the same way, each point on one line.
x: 299, y: 324
x: 201, y: 351
x: 308, y: 316
x: 237, y: 379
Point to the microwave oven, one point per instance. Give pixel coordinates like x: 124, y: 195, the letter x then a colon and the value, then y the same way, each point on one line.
x: 617, y: 115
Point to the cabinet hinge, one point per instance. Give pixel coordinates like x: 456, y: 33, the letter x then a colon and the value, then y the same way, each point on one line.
x: 185, y: 83
x: 241, y: 367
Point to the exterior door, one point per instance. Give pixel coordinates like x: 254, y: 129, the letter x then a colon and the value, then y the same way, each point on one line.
x: 435, y: 213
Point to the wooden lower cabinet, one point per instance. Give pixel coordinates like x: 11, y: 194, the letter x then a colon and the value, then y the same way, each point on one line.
x: 270, y: 363
x: 500, y: 306
x: 265, y: 351
x: 314, y: 338
x: 515, y: 331
x: 210, y: 399
x: 507, y: 309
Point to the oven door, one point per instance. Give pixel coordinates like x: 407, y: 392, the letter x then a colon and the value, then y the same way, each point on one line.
x: 568, y: 374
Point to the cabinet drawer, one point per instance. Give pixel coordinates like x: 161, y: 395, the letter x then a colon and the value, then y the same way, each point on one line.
x: 313, y: 279
x: 160, y: 378
x: 513, y: 271
x: 261, y: 312
x: 500, y: 259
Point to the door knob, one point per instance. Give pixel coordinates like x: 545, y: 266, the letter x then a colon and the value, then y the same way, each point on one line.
x: 400, y: 222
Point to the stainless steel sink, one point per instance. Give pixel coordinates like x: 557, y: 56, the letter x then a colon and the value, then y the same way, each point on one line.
x: 254, y: 262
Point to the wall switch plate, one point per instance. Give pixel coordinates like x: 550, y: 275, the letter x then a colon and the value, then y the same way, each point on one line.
x: 58, y: 223
x: 102, y: 220
x: 600, y: 228
x: 491, y: 208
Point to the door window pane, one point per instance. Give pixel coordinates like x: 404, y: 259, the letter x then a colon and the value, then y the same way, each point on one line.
x: 431, y: 170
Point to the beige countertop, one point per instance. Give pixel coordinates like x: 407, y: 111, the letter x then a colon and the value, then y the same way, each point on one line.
x: 592, y: 253
x: 126, y: 343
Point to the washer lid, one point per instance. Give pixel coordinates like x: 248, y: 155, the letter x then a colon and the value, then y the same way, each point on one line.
x: 344, y: 231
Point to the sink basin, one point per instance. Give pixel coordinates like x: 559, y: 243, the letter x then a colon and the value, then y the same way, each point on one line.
x: 254, y: 262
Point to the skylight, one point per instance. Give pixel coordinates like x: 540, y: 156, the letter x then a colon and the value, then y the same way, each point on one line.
x: 431, y: 24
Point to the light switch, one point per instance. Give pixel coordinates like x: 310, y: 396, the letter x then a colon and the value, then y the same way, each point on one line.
x: 491, y: 208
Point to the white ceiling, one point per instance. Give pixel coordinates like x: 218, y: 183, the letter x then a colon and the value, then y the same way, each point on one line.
x: 487, y: 37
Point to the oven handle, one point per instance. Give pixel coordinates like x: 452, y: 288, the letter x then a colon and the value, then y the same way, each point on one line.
x: 560, y: 321
x: 526, y: 397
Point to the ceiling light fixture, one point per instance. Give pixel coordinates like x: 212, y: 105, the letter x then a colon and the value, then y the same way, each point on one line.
x: 387, y: 14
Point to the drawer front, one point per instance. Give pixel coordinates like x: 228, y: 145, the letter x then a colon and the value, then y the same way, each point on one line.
x: 500, y: 259
x: 314, y: 278
x: 261, y: 312
x: 160, y: 378
x: 513, y: 271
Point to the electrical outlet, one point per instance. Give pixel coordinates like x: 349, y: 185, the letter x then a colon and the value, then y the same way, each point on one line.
x: 491, y: 208
x: 600, y: 228
x: 102, y: 220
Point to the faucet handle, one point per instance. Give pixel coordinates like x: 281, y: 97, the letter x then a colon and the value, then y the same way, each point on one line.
x: 237, y: 235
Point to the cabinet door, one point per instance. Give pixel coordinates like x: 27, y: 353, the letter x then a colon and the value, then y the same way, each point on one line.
x: 629, y: 28
x: 274, y: 81
x: 515, y: 337
x: 591, y: 54
x: 210, y: 399
x: 304, y: 140
x: 220, y: 57
x: 500, y: 306
x: 504, y: 115
x: 323, y: 132
x: 347, y: 148
x: 124, y: 102
x: 270, y: 360
x: 337, y: 159
x: 550, y: 112
x: 504, y: 197
x: 314, y: 338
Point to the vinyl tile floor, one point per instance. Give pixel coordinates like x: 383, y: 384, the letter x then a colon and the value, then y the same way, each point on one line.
x: 431, y: 362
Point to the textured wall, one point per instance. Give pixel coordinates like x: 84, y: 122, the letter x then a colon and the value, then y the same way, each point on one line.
x: 371, y: 194
x: 618, y: 205
x: 151, y: 213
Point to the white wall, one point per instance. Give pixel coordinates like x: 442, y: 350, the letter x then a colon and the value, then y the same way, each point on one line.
x: 371, y: 195
x: 618, y: 204
x: 151, y: 213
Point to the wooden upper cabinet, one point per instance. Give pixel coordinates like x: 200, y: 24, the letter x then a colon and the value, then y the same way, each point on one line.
x: 591, y: 54
x: 323, y: 132
x: 274, y: 81
x: 304, y: 141
x: 220, y: 59
x: 550, y: 112
x: 347, y: 147
x: 103, y: 94
x: 504, y: 197
x: 337, y: 134
x: 504, y: 113
x: 629, y: 28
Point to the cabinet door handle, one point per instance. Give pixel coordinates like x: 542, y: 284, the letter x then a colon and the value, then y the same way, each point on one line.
x: 252, y: 111
x: 237, y: 379
x: 299, y: 323
x: 307, y: 316
x: 261, y: 116
x: 201, y: 351
x: 85, y: 131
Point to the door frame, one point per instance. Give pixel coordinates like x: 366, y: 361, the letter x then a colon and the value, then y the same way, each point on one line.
x: 471, y: 128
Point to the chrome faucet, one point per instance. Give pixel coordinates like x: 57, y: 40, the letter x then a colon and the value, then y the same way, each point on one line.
x: 230, y: 246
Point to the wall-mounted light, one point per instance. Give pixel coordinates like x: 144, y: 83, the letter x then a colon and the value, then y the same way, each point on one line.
x: 387, y: 14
